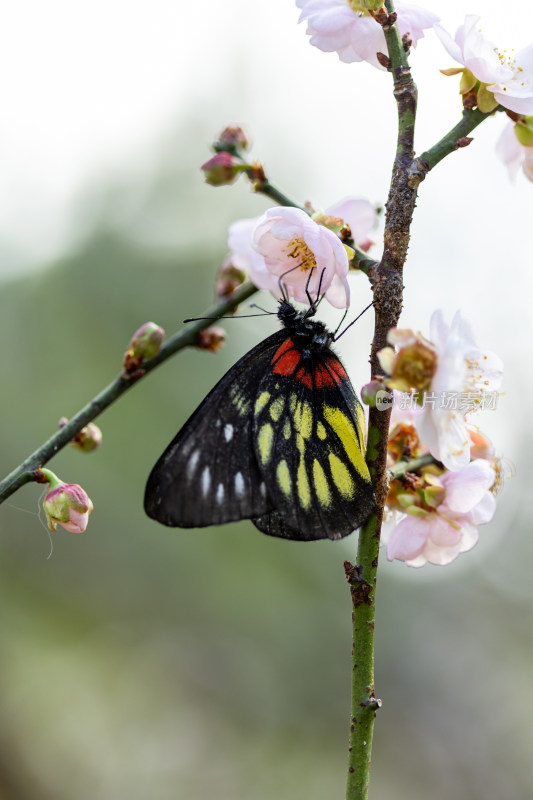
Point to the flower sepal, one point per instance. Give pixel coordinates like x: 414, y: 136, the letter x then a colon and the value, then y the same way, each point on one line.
x: 524, y: 132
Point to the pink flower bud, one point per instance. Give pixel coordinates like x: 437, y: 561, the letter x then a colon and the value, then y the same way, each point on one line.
x: 222, y: 169
x: 211, y: 338
x: 88, y: 439
x: 229, y: 277
x: 233, y: 137
x: 68, y: 505
x: 145, y: 343
x: 369, y: 392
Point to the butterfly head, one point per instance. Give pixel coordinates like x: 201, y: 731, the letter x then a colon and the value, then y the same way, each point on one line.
x: 310, y: 334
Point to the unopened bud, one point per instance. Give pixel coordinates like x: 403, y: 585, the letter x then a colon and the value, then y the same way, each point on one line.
x: 66, y: 504
x: 222, y: 169
x: 371, y: 391
x: 145, y: 343
x: 211, y: 338
x: 229, y: 277
x: 88, y: 439
x: 232, y: 138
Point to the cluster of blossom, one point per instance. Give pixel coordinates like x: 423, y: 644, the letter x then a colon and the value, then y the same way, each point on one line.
x: 489, y: 76
x: 444, y: 502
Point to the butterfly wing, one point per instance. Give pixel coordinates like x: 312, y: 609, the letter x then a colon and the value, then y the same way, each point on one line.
x: 208, y: 475
x: 309, y: 442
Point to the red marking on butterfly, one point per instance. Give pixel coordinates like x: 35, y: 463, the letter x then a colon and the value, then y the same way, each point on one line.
x: 329, y: 374
x: 286, y: 358
x: 325, y: 376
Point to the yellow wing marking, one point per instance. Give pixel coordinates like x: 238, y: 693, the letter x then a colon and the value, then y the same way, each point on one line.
x: 303, y: 419
x: 341, y: 476
x: 321, y: 484
x: 265, y: 438
x: 284, y: 478
x: 261, y: 402
x: 302, y: 484
x: 241, y: 403
x: 346, y: 432
x: 276, y: 408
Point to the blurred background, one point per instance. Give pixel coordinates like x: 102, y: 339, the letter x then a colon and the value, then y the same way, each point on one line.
x: 137, y: 661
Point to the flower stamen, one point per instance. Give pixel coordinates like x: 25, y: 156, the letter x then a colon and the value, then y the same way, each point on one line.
x: 297, y: 248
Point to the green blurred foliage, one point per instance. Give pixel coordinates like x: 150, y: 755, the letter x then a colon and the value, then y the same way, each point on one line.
x: 142, y: 662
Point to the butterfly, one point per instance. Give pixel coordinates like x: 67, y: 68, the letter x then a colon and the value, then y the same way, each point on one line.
x: 279, y: 440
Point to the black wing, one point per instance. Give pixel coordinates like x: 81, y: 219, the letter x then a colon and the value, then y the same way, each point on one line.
x: 208, y: 475
x: 313, y: 464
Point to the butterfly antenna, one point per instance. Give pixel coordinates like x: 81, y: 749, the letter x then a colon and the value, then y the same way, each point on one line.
x: 335, y: 337
x: 284, y: 292
x: 254, y: 305
x: 312, y: 303
x: 241, y: 316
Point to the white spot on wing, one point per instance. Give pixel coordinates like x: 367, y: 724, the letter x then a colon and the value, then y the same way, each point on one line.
x: 206, y: 481
x: 262, y: 489
x: 220, y: 493
x: 228, y: 432
x: 193, y: 461
x: 239, y: 484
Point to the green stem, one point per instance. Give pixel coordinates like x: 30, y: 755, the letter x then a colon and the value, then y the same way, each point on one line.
x: 387, y: 285
x: 452, y: 141
x: 399, y: 469
x: 362, y: 580
x: 269, y: 190
x: 24, y: 473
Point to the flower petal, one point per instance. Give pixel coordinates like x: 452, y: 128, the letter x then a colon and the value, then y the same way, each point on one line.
x: 467, y: 487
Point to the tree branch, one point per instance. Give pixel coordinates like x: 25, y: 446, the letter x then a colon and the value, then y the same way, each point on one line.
x: 387, y: 286
x: 453, y: 140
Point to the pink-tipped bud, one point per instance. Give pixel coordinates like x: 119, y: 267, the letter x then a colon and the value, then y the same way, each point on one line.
x: 229, y: 277
x: 66, y: 504
x: 372, y: 392
x: 211, y: 338
x: 88, y: 439
x: 232, y: 138
x: 222, y: 169
x: 145, y: 343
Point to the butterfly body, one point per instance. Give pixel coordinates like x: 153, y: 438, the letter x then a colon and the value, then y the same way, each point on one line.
x: 279, y: 440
